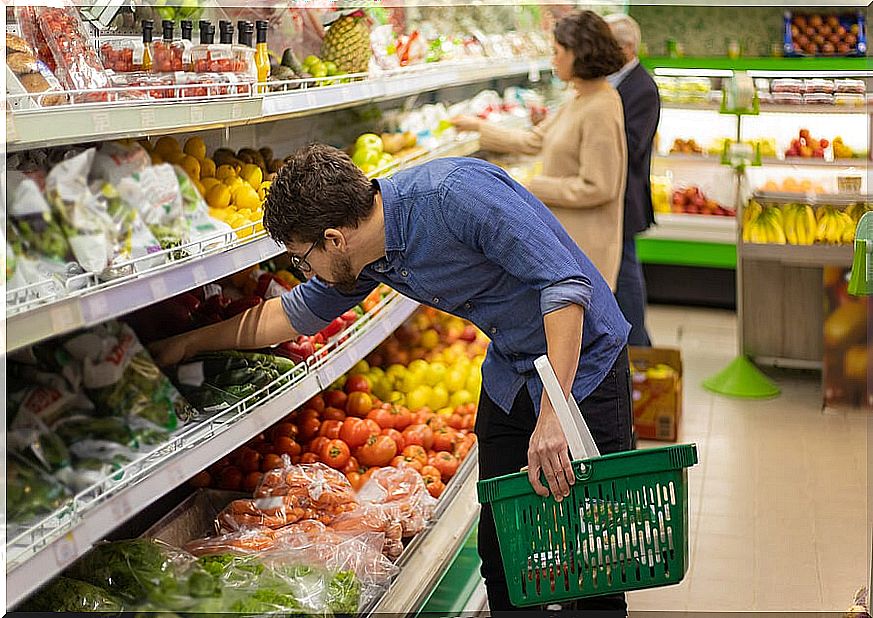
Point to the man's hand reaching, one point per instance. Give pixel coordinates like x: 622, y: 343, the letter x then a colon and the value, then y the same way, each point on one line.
x: 170, y: 351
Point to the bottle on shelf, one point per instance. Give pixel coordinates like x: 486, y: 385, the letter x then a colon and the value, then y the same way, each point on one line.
x: 244, y: 52
x: 168, y: 52
x: 148, y: 28
x: 212, y: 57
x: 262, y: 55
x: 187, y: 29
x: 225, y: 32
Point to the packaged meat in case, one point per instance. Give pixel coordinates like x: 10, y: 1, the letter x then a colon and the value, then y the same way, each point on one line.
x: 849, y: 86
x: 78, y: 65
x: 786, y: 85
x: 816, y: 86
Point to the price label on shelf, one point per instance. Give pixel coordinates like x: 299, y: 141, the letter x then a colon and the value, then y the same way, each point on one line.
x: 239, y: 260
x: 236, y: 111
x: 66, y: 550
x: 159, y: 288
x: 101, y: 122
x: 96, y: 309
x: 148, y: 118
x: 63, y: 319
x: 196, y: 114
x: 200, y: 275
x: 328, y: 373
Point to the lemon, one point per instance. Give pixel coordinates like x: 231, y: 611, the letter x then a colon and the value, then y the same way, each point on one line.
x: 208, y: 183
x: 207, y: 168
x: 218, y: 196
x: 225, y: 171
x: 166, y: 146
x: 200, y: 188
x: 252, y: 174
x: 191, y: 166
x: 196, y: 148
x: 175, y: 158
x: 219, y: 213
x: 246, y: 197
x: 232, y: 183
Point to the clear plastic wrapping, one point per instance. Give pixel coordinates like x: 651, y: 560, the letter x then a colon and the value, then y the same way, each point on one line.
x: 849, y: 86
x: 786, y: 85
x: 818, y: 86
x: 171, y: 56
x: 403, y: 493
x: 64, y: 594
x: 222, y: 58
x: 200, y: 85
x: 30, y: 492
x: 123, y: 55
x: 373, y: 518
x: 78, y: 65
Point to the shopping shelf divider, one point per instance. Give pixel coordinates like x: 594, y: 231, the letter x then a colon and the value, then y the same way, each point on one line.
x: 43, y: 550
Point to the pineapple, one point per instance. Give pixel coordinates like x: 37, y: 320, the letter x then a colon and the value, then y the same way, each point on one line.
x: 347, y: 43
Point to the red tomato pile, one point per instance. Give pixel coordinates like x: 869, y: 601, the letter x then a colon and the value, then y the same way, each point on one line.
x: 352, y: 431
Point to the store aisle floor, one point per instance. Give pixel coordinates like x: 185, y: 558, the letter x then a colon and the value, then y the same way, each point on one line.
x: 778, y: 500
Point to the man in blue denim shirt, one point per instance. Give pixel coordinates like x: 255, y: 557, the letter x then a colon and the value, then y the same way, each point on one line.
x: 461, y: 236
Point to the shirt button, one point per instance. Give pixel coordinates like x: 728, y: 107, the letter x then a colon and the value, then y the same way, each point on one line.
x: 404, y: 272
x: 436, y: 300
x: 493, y: 330
x: 468, y: 306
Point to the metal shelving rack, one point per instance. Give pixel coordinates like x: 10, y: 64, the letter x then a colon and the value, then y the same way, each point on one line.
x: 41, y: 550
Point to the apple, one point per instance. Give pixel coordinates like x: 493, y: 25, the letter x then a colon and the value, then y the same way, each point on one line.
x: 824, y: 143
x: 366, y: 156
x: 818, y: 153
x: 370, y: 141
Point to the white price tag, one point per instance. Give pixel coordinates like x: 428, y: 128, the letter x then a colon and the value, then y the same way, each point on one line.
x: 196, y: 114
x: 239, y: 261
x: 147, y: 117
x: 533, y: 73
x: 120, y: 508
x: 159, y: 288
x: 101, y: 122
x: 65, y: 550
x: 310, y: 99
x: 98, y: 309
x: 236, y: 110
x: 328, y: 374
x: 63, y: 319
x: 200, y: 276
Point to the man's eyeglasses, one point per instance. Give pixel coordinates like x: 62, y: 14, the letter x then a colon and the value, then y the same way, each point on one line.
x: 300, y: 263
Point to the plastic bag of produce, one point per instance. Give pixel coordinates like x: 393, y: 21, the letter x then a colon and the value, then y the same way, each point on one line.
x: 64, y: 594
x: 30, y: 493
x: 117, y: 160
x: 403, y: 493
x: 155, y: 192
x: 148, y: 571
x: 315, y: 484
x: 122, y: 379
x: 131, y: 237
x: 82, y: 216
x: 35, y: 225
x: 254, y: 539
x: 202, y: 226
x: 77, y: 62
x: 373, y: 518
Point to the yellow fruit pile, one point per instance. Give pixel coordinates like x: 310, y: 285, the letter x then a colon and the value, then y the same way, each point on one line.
x: 801, y: 224
x: 233, y: 189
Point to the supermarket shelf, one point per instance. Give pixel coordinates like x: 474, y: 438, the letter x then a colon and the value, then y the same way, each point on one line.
x: 686, y: 253
x: 103, y: 301
x: 697, y: 228
x: 813, y: 199
x: 40, y: 553
x: 800, y: 255
x: 429, y: 555
x: 32, y: 128
x: 803, y: 162
x: 843, y: 65
x: 687, y: 159
x: 767, y: 108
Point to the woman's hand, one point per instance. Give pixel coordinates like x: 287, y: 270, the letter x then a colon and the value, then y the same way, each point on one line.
x: 548, y: 452
x: 467, y: 123
x: 170, y: 351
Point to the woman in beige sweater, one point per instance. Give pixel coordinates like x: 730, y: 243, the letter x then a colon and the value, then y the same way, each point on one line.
x: 582, y: 145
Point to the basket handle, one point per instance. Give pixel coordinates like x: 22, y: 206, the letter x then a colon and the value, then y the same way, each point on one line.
x: 573, y: 424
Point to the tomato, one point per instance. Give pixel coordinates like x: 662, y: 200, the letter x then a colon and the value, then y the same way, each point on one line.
x: 351, y: 466
x: 444, y: 439
x: 447, y: 464
x: 418, y: 434
x: 230, y: 478
x: 333, y: 414
x: 309, y: 458
x: 402, y: 417
x: 316, y: 403
x: 423, y: 416
x: 354, y: 480
x: 436, y: 423
x: 456, y: 421
x: 284, y: 429
x: 354, y: 432
x: 336, y: 399
x: 377, y: 451
x: 406, y: 462
x: 359, y: 404
x: 381, y: 417
x: 317, y: 444
x: 330, y: 429
x: 462, y: 449
x: 286, y: 446
x: 251, y: 481
x: 416, y: 452
x: 335, y: 454
x: 429, y: 470
x: 249, y: 460
x: 396, y: 436
x: 435, y: 486
x: 372, y: 426
x: 201, y: 479
x: 308, y: 413
x: 309, y: 428
x: 357, y: 383
x: 266, y: 448
x: 271, y: 462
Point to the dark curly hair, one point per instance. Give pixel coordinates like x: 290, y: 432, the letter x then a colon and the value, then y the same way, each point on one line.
x: 318, y: 188
x: 596, y: 51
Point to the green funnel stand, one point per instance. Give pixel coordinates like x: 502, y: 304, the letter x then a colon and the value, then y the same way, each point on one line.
x: 742, y: 379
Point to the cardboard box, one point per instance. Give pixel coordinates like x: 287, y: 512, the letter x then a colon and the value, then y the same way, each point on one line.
x: 194, y: 518
x: 657, y: 392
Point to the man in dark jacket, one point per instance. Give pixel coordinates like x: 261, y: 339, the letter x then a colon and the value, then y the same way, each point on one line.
x: 642, y: 109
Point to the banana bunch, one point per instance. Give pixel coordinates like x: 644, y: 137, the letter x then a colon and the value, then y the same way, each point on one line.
x: 763, y: 225
x: 835, y: 227
x: 799, y: 223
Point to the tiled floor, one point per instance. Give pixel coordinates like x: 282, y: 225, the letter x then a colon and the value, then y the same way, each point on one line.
x: 779, y: 501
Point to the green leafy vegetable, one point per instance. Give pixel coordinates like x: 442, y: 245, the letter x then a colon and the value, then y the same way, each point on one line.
x: 70, y: 595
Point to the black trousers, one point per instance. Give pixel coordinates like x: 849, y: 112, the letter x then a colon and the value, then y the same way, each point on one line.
x: 503, y: 443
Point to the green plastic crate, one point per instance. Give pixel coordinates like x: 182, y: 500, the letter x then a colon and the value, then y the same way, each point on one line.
x: 624, y: 526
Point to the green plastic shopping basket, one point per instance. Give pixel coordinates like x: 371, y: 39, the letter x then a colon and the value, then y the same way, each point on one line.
x: 624, y: 526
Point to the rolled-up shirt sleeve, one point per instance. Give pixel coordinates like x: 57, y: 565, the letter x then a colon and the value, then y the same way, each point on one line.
x: 563, y: 293
x: 483, y: 209
x: 313, y: 305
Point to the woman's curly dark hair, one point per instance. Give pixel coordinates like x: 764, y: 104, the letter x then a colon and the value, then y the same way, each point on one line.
x: 596, y: 51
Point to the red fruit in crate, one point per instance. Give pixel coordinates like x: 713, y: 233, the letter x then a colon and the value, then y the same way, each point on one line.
x: 357, y: 383
x: 336, y: 399
x: 818, y: 153
x: 824, y: 143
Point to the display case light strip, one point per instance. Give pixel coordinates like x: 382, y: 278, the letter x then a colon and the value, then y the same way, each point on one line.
x: 800, y: 72
x: 669, y: 72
